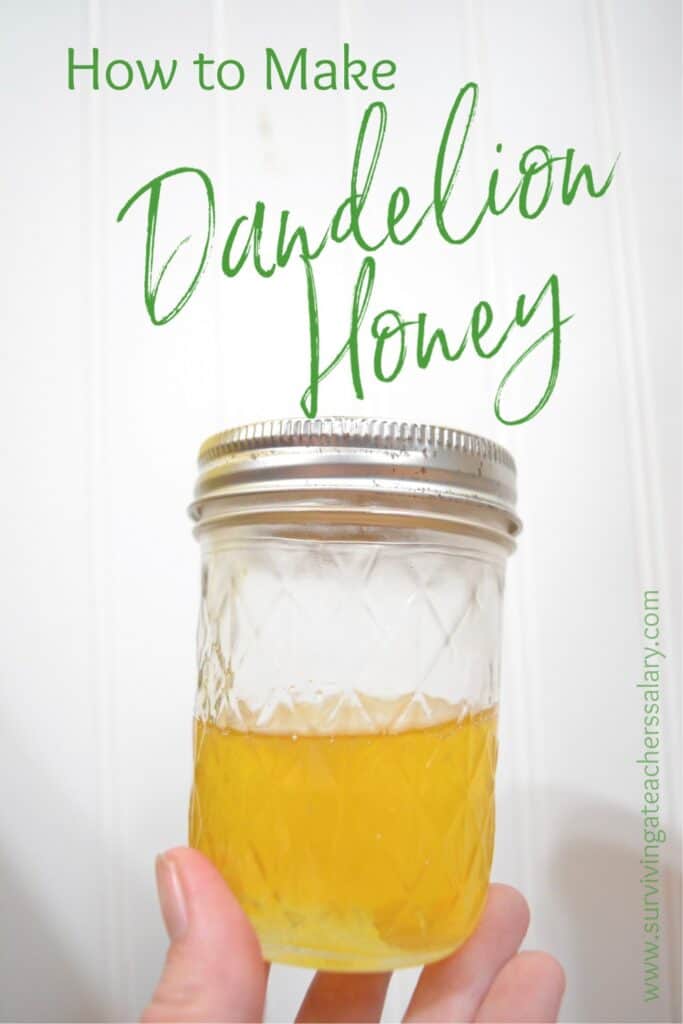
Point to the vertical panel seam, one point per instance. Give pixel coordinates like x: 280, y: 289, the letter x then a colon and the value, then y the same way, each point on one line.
x: 635, y: 376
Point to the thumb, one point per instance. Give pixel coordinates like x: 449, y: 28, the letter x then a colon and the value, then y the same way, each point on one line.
x: 214, y: 970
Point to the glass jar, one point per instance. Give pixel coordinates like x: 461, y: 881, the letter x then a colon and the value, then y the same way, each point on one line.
x: 348, y: 649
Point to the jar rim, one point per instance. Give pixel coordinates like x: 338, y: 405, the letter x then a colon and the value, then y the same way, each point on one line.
x: 357, y: 460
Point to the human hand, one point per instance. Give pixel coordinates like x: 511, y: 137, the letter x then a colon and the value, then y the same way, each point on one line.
x: 214, y: 970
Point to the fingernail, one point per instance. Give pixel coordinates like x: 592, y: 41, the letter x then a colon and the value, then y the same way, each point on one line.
x: 171, y: 898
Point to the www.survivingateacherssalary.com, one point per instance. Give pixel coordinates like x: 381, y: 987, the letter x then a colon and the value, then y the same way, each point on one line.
x: 538, y: 170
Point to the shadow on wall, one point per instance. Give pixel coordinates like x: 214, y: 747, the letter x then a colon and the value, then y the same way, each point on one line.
x: 45, y: 973
x: 52, y: 969
x: 41, y: 977
x: 591, y: 913
x: 39, y: 980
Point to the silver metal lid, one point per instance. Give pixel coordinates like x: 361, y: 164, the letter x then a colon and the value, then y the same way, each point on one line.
x: 369, y: 461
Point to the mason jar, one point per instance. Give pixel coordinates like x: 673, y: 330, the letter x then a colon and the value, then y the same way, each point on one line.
x: 346, y: 713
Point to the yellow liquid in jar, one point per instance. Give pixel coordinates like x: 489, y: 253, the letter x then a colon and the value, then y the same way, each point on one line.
x: 351, y: 852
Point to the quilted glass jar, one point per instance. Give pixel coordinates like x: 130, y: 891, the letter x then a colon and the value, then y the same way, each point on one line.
x: 348, y: 649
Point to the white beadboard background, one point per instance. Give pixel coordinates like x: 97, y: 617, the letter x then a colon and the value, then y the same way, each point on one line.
x: 101, y: 415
